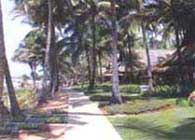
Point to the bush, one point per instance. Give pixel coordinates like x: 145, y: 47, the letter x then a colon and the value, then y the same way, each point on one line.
x: 130, y: 89
x: 167, y: 91
x: 182, y: 102
x: 107, y: 88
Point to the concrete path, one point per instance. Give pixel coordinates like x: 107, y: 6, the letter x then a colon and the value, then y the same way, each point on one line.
x: 86, y: 121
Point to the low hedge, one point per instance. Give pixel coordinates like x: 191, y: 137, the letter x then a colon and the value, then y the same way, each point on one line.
x: 130, y: 89
x: 127, y: 89
x: 167, y: 91
x: 139, y: 106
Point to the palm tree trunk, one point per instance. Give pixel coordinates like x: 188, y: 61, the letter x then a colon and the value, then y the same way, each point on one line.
x: 181, y: 79
x: 149, y: 67
x: 54, y: 77
x: 129, y: 40
x: 88, y: 63
x: 94, y: 59
x: 126, y: 78
x: 52, y: 58
x: 4, y: 70
x: 116, y: 99
x: 33, y: 73
x: 47, y: 61
x: 100, y: 66
x: 15, y: 110
x: 3, y: 110
x: 53, y: 65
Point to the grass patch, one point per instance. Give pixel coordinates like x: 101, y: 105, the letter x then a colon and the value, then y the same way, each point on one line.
x: 33, y: 118
x: 174, y: 124
x: 26, y: 99
x: 137, y: 106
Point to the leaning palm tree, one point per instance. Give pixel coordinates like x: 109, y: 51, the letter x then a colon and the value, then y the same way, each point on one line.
x: 4, y: 71
x: 3, y: 109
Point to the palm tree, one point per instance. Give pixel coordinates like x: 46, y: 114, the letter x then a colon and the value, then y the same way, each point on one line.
x: 4, y: 70
x: 115, y: 77
x: 94, y: 53
x: 50, y: 54
x: 48, y: 65
x: 3, y: 109
x: 31, y: 52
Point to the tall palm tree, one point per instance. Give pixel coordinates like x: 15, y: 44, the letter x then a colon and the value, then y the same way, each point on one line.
x: 4, y: 70
x: 31, y: 52
x: 48, y: 65
x: 115, y: 76
x: 3, y: 109
x: 50, y: 55
x: 94, y: 53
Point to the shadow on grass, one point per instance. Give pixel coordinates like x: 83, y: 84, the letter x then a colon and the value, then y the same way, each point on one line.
x: 186, y: 130
x: 148, y: 130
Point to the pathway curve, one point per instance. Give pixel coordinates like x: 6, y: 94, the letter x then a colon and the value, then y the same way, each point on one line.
x: 86, y: 121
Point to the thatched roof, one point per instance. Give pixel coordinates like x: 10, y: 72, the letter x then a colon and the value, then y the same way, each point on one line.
x: 171, y: 63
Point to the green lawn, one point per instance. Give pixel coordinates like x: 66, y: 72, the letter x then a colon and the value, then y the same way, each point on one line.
x: 173, y: 124
x: 140, y: 106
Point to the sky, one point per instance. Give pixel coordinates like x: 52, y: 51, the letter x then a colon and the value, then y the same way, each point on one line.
x: 14, y: 32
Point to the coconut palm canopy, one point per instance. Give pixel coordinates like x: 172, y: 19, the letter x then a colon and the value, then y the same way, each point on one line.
x: 174, y: 14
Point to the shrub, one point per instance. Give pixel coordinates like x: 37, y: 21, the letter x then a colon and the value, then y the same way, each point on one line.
x: 182, y: 102
x: 107, y: 88
x: 167, y: 91
x: 130, y: 89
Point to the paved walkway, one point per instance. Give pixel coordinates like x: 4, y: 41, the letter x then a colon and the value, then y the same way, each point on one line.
x: 86, y: 121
